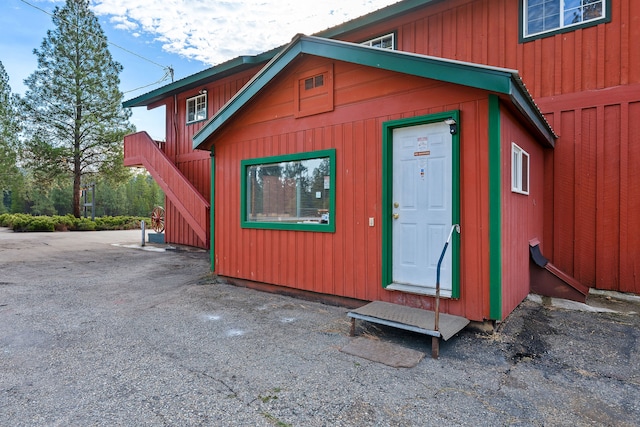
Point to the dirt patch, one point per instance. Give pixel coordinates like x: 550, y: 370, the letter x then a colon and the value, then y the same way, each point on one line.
x: 526, y: 335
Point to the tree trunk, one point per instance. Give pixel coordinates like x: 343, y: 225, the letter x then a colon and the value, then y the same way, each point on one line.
x: 77, y: 165
x: 76, y: 194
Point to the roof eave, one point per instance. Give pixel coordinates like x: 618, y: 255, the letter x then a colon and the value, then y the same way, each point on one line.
x: 248, y: 91
x: 493, y: 79
x: 210, y: 74
x: 523, y: 101
x: 241, y: 62
x: 383, y: 14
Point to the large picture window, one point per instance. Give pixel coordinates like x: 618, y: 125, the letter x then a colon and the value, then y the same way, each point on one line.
x: 290, y: 192
x: 197, y: 108
x: 546, y: 17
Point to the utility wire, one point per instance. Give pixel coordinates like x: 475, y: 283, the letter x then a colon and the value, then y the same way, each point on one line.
x: 168, y: 69
x: 168, y: 72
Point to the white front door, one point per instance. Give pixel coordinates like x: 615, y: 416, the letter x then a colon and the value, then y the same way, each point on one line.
x: 422, y: 207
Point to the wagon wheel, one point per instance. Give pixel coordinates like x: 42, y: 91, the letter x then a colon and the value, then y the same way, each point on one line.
x: 157, y: 219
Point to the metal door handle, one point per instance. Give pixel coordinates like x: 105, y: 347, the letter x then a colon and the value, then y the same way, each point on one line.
x: 396, y: 216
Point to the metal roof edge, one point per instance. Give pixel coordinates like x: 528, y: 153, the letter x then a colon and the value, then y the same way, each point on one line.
x: 524, y: 102
x: 494, y: 79
x: 217, y: 71
x: 371, y: 18
x: 248, y: 91
x: 448, y: 70
x: 240, y: 61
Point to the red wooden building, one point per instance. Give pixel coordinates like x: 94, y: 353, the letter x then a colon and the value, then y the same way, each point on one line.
x: 301, y: 151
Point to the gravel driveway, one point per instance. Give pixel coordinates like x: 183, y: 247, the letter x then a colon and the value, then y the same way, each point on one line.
x: 104, y: 335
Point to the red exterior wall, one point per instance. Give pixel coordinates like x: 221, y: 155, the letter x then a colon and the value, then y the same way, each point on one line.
x: 522, y: 215
x: 348, y: 262
x: 195, y: 165
x: 588, y: 82
x: 595, y: 236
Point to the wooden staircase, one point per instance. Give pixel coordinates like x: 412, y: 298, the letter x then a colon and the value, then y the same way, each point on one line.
x: 142, y: 151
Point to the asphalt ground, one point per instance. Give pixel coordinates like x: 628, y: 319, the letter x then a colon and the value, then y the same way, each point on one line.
x: 97, y: 334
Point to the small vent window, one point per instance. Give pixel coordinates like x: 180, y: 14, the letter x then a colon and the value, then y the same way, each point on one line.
x: 382, y: 42
x: 314, y: 91
x: 313, y: 82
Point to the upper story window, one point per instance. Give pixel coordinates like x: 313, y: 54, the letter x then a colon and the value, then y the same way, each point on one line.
x: 519, y: 170
x: 197, y: 108
x: 382, y: 42
x: 546, y: 17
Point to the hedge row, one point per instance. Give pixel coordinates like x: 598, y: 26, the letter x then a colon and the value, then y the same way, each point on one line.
x: 26, y: 222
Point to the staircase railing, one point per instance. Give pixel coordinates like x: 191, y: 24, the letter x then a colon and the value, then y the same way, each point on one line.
x: 141, y: 150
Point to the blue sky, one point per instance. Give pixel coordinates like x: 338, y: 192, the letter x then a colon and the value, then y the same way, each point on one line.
x: 188, y: 35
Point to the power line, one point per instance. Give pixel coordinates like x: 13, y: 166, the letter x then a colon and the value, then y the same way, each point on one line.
x: 168, y: 69
x: 168, y: 73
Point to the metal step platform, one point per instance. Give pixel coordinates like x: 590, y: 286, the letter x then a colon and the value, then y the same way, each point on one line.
x: 410, y: 319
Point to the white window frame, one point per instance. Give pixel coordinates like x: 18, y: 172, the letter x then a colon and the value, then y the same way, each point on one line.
x: 565, y: 6
x: 372, y: 42
x: 197, y: 108
x: 520, y: 169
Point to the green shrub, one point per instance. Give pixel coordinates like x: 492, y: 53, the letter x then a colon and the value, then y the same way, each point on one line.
x: 85, y: 224
x: 40, y: 223
x: 25, y: 222
x: 18, y: 222
x: 64, y: 223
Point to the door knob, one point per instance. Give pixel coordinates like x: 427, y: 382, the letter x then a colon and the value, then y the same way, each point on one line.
x: 396, y: 216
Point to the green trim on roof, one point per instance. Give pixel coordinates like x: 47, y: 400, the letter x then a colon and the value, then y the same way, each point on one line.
x: 373, y: 17
x: 217, y: 72
x: 523, y: 101
x: 493, y: 79
x: 446, y: 70
x: 248, y: 91
x: 241, y: 62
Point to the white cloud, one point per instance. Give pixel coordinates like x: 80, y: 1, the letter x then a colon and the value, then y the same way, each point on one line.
x: 122, y: 23
x: 215, y: 31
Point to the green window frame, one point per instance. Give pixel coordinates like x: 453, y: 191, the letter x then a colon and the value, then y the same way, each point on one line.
x: 387, y: 192
x: 289, y: 192
x: 544, y: 18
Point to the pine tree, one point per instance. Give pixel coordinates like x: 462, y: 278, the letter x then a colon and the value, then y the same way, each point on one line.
x: 73, y: 104
x: 9, y: 131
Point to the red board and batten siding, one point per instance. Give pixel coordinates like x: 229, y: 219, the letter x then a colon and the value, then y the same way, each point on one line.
x: 195, y: 165
x: 598, y: 184
x: 522, y: 215
x: 591, y: 225
x: 348, y: 262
